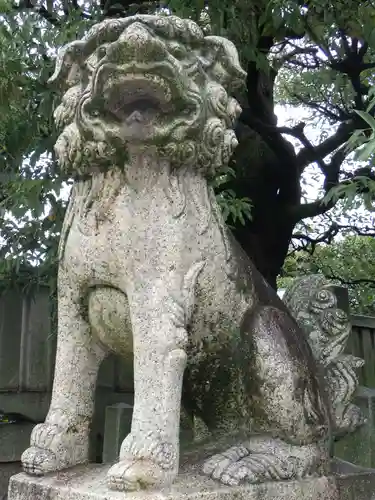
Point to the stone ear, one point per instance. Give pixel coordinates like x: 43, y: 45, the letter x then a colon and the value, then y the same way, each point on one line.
x: 67, y: 65
x: 221, y: 61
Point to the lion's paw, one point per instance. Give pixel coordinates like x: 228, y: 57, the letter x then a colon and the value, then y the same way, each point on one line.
x: 145, y: 461
x: 55, y: 446
x: 150, y: 446
x: 228, y: 467
x: 38, y: 461
x: 251, y: 465
x: 133, y: 475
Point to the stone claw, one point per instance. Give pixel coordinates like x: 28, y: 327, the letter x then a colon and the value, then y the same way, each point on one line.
x: 54, y: 448
x: 263, y: 459
x: 135, y: 475
x: 38, y: 461
x: 144, y: 462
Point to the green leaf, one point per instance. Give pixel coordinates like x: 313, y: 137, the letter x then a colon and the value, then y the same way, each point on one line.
x: 364, y: 153
x: 367, y: 118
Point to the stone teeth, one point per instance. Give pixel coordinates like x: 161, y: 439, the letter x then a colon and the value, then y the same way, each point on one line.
x: 162, y: 83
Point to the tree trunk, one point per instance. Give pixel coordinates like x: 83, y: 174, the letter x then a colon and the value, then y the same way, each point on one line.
x: 266, y: 241
x: 266, y: 237
x: 267, y: 173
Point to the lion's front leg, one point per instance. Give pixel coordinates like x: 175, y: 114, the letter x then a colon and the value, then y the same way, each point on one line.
x: 62, y: 440
x: 149, y: 455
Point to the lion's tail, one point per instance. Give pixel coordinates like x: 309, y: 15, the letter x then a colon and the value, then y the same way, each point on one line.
x: 313, y: 303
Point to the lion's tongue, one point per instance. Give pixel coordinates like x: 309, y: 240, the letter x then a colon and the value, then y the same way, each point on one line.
x: 135, y: 117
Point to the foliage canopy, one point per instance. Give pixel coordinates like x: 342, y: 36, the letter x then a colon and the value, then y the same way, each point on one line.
x: 349, y: 262
x: 317, y: 54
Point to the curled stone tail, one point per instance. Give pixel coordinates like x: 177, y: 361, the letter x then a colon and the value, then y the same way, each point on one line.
x: 313, y: 303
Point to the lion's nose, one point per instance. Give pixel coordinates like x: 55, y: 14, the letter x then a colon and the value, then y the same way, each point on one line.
x: 137, y: 35
x: 136, y: 43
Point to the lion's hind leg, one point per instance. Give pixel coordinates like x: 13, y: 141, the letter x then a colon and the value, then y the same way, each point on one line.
x: 290, y: 428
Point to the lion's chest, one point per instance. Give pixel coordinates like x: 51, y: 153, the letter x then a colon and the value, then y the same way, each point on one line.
x: 133, y: 238
x: 99, y: 249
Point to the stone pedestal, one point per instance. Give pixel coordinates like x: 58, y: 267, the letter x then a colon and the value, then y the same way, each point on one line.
x: 7, y: 470
x: 118, y: 419
x: 89, y: 483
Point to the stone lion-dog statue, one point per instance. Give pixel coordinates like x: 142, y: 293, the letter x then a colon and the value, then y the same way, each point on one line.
x: 147, y: 265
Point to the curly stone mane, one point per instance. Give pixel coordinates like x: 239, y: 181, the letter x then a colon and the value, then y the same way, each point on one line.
x: 161, y: 67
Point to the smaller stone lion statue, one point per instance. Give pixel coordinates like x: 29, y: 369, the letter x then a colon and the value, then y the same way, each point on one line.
x: 148, y: 266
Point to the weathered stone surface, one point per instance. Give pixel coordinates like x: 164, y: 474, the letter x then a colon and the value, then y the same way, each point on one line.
x: 37, y: 344
x: 26, y: 343
x: 90, y: 484
x: 7, y: 470
x: 148, y: 266
x: 346, y: 482
x: 10, y: 321
x: 354, y: 483
x: 314, y: 302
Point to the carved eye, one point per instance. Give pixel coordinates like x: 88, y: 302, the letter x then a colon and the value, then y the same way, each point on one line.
x: 178, y: 51
x: 323, y: 295
x: 93, y: 108
x: 102, y: 51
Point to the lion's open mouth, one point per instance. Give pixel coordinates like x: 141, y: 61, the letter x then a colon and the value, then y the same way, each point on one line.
x: 137, y: 102
x: 146, y: 93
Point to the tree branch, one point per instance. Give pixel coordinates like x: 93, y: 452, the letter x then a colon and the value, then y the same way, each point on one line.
x: 359, y: 281
x: 321, y: 206
x: 298, y: 132
x: 344, y: 41
x: 121, y: 8
x: 318, y: 107
x: 362, y: 51
x: 41, y: 10
x: 365, y: 231
x: 308, y: 155
x: 304, y: 65
x: 326, y: 237
x: 270, y: 133
x: 295, y: 52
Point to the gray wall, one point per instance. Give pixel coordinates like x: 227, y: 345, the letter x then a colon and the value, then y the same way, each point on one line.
x: 27, y: 355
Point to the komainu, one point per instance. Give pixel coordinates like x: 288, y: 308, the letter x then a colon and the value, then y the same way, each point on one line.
x: 147, y: 265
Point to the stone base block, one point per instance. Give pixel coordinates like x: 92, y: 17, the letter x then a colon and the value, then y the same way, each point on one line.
x: 6, y: 472
x: 89, y: 483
